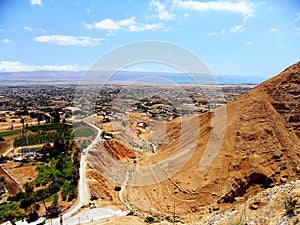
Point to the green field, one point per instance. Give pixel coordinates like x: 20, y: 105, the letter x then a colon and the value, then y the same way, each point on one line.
x: 10, y: 132
x: 84, y: 131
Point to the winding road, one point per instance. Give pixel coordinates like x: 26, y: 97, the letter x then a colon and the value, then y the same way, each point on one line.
x: 71, y: 217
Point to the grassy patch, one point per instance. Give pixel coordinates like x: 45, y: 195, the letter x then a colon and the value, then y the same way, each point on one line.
x: 10, y: 132
x: 85, y: 131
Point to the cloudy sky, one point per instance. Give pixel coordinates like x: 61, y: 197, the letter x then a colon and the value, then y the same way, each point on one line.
x: 234, y: 37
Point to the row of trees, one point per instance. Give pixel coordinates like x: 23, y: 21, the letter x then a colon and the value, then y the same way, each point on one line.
x: 46, y: 133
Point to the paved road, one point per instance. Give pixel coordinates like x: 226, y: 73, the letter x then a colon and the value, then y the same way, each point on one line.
x: 87, y: 215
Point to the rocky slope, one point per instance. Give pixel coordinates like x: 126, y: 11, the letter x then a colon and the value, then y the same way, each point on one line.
x: 260, y: 148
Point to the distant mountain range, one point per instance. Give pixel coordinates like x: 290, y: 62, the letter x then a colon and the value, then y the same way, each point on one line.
x: 125, y: 77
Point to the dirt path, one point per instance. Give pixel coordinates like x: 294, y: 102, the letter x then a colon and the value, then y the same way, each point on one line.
x: 123, y: 186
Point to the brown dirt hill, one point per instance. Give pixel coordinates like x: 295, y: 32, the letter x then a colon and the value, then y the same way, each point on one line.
x: 260, y: 148
x: 11, y: 185
x: 118, y: 150
x: 3, y: 146
x: 262, y: 131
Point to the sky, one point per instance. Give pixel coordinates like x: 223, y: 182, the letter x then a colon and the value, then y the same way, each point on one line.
x: 231, y: 37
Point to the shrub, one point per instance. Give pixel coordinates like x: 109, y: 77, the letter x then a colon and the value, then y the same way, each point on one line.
x: 55, y: 199
x: 290, y: 206
x: 131, y: 213
x: 117, y: 188
x: 149, y: 219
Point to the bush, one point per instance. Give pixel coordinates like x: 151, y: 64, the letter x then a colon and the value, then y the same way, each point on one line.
x: 117, y: 188
x: 72, y: 195
x: 149, y: 219
x: 131, y: 213
x: 55, y: 199
x: 53, y: 211
x: 290, y: 206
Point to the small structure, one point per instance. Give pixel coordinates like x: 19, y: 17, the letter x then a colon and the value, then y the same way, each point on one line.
x: 18, y: 159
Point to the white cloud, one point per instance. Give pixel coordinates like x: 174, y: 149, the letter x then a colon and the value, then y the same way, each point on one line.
x: 127, y: 22
x: 110, y: 33
x: 160, y: 8
x: 297, y: 17
x: 15, y: 66
x: 234, y: 29
x: 145, y: 27
x: 237, y: 28
x: 109, y: 24
x: 249, y: 43
x: 1, y: 30
x: 36, y: 2
x: 29, y: 29
x: 6, y: 41
x: 106, y: 24
x: 273, y: 30
x: 212, y: 34
x: 67, y: 40
x: 130, y: 24
x: 246, y: 8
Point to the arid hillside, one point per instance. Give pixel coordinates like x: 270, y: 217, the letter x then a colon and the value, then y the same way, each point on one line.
x: 259, y: 148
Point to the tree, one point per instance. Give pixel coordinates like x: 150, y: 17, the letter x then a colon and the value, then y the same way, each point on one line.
x: 40, y: 118
x: 53, y: 211
x: 56, y: 116
x: 42, y: 194
x: 2, y: 183
x: 32, y: 216
x: 29, y: 188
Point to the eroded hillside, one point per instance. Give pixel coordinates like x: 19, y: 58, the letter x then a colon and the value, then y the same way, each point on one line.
x: 259, y: 149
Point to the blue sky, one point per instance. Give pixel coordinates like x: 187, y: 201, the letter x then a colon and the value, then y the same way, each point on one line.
x: 234, y: 37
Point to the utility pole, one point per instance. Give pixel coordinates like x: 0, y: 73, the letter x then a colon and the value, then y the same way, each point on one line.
x: 61, y: 219
x: 25, y: 143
